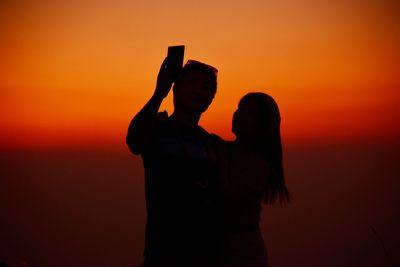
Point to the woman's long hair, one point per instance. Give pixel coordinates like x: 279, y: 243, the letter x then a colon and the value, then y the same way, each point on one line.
x: 271, y: 146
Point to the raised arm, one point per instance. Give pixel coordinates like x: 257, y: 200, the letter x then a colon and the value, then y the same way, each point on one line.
x: 142, y: 125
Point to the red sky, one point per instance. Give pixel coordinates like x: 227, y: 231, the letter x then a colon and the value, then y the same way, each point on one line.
x: 73, y: 73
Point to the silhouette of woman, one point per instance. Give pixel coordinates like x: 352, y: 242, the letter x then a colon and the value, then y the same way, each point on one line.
x: 251, y: 172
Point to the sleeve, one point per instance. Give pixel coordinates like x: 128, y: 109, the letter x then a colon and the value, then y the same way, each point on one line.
x: 142, y: 131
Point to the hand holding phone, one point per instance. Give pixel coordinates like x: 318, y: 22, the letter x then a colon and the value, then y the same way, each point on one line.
x: 170, y: 71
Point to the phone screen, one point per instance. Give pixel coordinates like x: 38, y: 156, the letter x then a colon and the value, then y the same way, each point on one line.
x: 175, y: 60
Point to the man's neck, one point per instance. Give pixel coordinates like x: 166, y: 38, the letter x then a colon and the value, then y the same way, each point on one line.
x: 186, y: 117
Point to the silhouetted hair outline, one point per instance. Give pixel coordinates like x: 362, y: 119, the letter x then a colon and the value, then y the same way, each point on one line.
x: 210, y: 71
x: 271, y: 146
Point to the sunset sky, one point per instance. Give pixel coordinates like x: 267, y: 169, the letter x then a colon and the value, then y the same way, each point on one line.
x: 74, y: 73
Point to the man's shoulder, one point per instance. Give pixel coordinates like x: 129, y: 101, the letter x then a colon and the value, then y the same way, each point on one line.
x: 162, y: 117
x: 161, y: 122
x: 215, y: 138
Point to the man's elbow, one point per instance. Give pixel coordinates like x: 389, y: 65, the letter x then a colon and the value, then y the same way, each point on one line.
x: 133, y: 146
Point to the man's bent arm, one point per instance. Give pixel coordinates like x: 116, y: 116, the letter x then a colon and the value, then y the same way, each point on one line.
x: 142, y: 125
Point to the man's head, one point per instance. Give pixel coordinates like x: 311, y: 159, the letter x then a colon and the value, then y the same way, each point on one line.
x: 196, y: 90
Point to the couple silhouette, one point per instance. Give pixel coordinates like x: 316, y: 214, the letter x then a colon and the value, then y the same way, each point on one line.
x: 204, y: 194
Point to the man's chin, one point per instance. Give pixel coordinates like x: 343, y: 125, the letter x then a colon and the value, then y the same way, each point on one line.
x: 195, y: 109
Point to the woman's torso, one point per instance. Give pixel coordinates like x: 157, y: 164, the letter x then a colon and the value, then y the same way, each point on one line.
x: 243, y: 178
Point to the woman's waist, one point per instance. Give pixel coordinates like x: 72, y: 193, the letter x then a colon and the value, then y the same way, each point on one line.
x: 242, y: 220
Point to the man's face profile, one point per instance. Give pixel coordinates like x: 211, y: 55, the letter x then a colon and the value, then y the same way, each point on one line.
x: 195, y: 91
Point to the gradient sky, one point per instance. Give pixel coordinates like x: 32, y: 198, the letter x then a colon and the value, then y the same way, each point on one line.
x: 73, y: 73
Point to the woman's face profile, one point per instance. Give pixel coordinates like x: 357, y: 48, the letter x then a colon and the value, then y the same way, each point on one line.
x: 246, y: 122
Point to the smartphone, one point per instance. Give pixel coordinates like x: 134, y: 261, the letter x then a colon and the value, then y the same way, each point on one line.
x: 175, y: 60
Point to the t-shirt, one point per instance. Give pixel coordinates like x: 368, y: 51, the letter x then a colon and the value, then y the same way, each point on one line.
x: 181, y: 195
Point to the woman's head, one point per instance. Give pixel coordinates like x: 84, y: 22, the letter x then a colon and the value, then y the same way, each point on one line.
x: 257, y: 121
x: 257, y: 117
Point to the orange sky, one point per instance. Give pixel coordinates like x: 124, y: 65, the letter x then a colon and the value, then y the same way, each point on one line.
x: 73, y: 73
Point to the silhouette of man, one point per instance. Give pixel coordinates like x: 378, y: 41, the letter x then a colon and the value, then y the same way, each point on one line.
x: 180, y: 169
